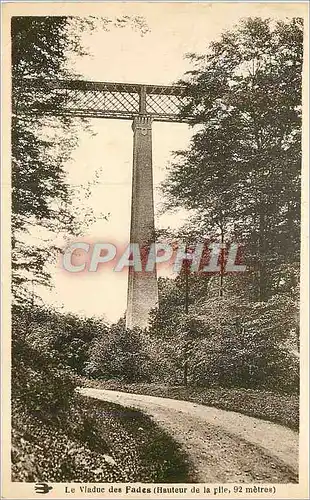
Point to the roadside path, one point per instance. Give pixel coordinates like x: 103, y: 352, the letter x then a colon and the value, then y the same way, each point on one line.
x: 223, y: 446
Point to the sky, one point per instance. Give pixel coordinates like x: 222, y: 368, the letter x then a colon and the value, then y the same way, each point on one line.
x: 123, y: 55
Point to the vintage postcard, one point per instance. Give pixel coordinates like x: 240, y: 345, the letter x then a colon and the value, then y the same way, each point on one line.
x: 154, y: 279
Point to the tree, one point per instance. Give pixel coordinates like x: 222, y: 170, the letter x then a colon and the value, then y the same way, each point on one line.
x: 228, y: 341
x: 41, y: 145
x: 241, y: 173
x: 64, y: 336
x: 246, y: 344
x: 117, y: 353
x: 241, y: 177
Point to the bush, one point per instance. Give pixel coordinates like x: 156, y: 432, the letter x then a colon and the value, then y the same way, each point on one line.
x: 117, y: 353
x: 60, y: 436
x: 40, y: 383
x: 229, y: 342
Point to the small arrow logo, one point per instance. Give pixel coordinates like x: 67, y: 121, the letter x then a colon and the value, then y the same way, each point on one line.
x: 42, y: 488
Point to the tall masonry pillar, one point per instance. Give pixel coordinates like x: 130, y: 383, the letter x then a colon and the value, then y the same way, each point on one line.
x: 142, y: 293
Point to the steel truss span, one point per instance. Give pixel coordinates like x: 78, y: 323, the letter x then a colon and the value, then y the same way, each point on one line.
x: 101, y: 99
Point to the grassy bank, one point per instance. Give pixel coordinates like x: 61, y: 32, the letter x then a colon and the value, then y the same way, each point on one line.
x: 279, y: 408
x: 95, y: 442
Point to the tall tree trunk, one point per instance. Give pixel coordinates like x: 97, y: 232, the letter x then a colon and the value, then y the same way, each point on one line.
x: 262, y: 275
x: 222, y: 263
x: 187, y: 271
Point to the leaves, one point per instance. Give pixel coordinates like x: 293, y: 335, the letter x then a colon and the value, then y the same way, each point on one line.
x: 227, y: 341
x: 60, y: 436
x: 241, y: 173
x: 43, y: 48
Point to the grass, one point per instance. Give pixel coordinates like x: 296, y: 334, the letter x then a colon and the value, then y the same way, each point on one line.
x: 95, y: 442
x: 279, y: 408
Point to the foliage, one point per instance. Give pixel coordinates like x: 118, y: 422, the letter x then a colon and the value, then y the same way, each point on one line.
x: 42, y: 48
x: 241, y: 173
x: 63, y: 337
x: 245, y: 345
x: 225, y: 341
x: 117, y: 353
x: 240, y: 177
x: 228, y: 341
x: 61, y: 436
x: 94, y: 442
x: 239, y: 340
x: 39, y: 190
x: 40, y: 381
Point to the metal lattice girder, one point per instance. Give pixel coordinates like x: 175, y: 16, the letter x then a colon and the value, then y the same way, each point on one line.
x: 102, y: 99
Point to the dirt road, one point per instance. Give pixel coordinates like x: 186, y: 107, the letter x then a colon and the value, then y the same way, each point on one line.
x: 223, y: 446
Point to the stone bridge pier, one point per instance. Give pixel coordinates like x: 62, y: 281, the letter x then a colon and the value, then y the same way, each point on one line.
x: 142, y: 293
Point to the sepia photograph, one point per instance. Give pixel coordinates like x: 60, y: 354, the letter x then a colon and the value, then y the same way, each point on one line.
x: 154, y: 222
